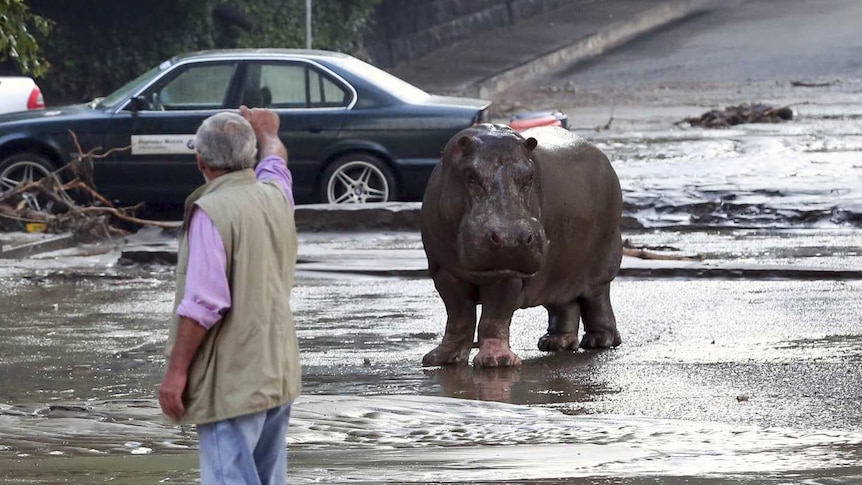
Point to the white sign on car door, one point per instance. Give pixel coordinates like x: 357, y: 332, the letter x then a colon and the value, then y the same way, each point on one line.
x: 163, y: 144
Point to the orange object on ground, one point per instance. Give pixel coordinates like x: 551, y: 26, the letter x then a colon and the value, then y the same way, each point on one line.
x: 523, y: 121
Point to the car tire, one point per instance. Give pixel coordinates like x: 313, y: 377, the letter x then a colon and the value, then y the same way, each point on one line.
x: 25, y: 167
x: 358, y: 178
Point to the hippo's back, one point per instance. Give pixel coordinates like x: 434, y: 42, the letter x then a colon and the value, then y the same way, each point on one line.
x: 576, y: 177
x: 555, y: 138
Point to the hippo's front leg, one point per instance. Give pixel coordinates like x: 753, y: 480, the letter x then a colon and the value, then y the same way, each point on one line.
x: 459, y: 298
x: 499, y: 302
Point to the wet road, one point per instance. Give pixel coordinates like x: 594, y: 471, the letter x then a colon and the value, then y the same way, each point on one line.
x: 728, y: 380
x: 718, y: 381
x: 632, y: 101
x: 739, y: 41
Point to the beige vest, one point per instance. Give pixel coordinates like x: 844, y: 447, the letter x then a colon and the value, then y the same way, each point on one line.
x: 249, y: 361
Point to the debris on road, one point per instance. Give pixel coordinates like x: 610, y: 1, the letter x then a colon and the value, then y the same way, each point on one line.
x: 644, y: 252
x: 806, y: 84
x: 530, y: 119
x: 743, y: 113
x: 66, y: 200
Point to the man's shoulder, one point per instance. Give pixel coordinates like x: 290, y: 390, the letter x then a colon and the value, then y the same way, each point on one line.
x: 236, y: 200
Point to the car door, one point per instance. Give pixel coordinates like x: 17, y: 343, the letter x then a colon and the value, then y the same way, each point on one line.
x: 159, y: 127
x: 310, y: 102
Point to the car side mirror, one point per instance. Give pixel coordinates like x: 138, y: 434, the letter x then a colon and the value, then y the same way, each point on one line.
x: 138, y: 103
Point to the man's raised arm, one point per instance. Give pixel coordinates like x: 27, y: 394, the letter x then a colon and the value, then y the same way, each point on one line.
x: 265, y: 124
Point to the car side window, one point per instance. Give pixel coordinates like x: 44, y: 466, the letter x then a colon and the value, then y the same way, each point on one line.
x: 290, y: 85
x: 323, y: 92
x: 198, y: 87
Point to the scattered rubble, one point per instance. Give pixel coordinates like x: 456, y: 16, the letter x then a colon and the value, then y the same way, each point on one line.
x: 806, y: 84
x: 647, y: 252
x: 743, y: 113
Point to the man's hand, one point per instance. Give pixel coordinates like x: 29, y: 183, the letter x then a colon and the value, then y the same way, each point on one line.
x: 171, y: 394
x: 265, y: 124
x: 190, y: 334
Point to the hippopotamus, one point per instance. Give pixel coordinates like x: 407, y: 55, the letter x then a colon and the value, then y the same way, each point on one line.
x: 515, y: 220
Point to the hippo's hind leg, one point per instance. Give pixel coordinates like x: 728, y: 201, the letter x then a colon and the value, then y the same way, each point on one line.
x: 460, y: 300
x: 563, y: 322
x: 600, y: 325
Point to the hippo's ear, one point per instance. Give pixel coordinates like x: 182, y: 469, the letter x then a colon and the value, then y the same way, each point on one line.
x: 530, y: 144
x: 464, y: 144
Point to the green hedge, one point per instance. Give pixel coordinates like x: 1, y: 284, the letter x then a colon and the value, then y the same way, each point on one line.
x: 98, y: 45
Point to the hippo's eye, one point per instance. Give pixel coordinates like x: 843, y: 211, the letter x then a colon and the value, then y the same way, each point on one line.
x: 473, y: 179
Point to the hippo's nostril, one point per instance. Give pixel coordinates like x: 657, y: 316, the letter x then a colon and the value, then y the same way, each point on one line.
x: 529, y: 239
x: 495, y: 238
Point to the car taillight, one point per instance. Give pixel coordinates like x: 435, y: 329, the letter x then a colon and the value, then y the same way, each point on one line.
x: 35, y: 100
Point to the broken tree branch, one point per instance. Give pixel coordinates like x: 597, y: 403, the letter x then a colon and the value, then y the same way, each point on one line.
x: 120, y: 215
x: 64, y: 209
x: 644, y: 254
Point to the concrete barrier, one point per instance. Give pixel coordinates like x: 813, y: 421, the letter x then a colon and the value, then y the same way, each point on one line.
x: 386, y: 216
x: 41, y: 245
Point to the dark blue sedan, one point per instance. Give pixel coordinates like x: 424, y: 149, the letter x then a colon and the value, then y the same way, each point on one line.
x: 355, y: 133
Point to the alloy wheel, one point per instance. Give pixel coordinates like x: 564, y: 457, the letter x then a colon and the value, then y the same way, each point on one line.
x: 22, y: 173
x: 357, y: 182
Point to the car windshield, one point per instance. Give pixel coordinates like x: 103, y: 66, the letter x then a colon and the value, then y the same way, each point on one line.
x: 399, y: 88
x: 113, y: 99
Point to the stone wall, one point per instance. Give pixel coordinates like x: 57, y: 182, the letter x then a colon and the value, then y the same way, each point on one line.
x: 407, y: 29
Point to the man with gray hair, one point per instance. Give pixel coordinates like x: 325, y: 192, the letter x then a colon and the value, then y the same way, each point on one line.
x: 233, y: 356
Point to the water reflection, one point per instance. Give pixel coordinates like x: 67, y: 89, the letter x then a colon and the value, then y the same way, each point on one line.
x: 468, y: 382
x: 544, y: 379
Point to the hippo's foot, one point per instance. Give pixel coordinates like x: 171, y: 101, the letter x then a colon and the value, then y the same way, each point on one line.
x: 552, y: 342
x: 601, y: 340
x: 446, y: 355
x: 495, y: 353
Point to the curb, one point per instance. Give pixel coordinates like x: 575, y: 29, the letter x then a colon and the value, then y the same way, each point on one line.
x: 384, y: 216
x: 590, y: 46
x: 377, y: 216
x: 147, y: 256
x: 65, y: 241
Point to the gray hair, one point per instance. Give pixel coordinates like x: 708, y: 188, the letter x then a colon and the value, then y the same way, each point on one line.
x: 226, y: 141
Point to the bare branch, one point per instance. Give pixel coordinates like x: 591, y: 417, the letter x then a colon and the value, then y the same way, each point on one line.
x: 644, y: 254
x: 119, y: 214
x: 88, y: 221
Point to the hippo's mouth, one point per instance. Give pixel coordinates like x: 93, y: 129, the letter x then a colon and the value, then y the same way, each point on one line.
x: 500, y: 273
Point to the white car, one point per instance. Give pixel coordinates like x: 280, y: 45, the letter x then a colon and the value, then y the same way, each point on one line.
x: 19, y: 93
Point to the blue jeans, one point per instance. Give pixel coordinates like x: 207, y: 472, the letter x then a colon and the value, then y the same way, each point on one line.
x: 246, y: 450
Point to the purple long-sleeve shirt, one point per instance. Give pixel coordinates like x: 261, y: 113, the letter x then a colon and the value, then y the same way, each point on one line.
x: 207, y: 294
